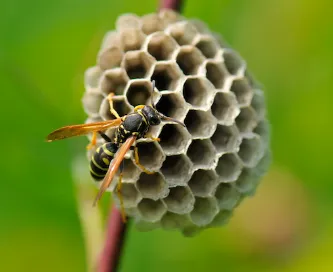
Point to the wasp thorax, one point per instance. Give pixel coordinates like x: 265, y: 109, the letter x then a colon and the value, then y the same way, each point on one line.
x: 201, y: 171
x: 152, y: 116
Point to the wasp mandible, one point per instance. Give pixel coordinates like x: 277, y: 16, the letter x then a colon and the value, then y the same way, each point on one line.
x: 108, y: 158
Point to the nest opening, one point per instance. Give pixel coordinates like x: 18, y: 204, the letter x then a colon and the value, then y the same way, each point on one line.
x: 151, y: 186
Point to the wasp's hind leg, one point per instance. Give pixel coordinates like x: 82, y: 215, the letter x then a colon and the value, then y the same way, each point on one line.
x: 104, y: 136
x: 113, y: 111
x: 93, y: 141
x: 137, y: 161
x: 120, y: 196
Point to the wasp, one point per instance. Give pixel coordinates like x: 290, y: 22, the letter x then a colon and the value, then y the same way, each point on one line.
x: 109, y: 157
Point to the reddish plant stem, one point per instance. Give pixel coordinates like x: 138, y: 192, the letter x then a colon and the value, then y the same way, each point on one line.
x: 171, y: 4
x: 116, y: 228
x: 115, y: 239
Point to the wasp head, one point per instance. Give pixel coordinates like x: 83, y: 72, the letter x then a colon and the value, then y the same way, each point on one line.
x: 152, y: 115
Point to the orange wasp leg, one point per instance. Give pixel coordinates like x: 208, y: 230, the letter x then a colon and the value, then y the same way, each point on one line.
x: 139, y: 107
x: 93, y: 141
x: 113, y: 111
x: 136, y: 158
x: 120, y: 196
x: 149, y: 136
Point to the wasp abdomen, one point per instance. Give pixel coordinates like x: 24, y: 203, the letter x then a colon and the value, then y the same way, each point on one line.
x: 101, y: 159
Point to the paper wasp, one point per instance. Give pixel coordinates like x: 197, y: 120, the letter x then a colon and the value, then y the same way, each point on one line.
x: 109, y: 157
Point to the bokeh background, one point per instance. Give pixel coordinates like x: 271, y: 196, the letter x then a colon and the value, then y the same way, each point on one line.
x: 45, y: 47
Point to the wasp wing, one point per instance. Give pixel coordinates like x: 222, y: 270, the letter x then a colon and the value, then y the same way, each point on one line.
x: 114, y: 166
x: 77, y: 130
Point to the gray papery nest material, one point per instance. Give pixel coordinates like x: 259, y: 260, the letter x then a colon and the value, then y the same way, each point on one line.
x: 205, y: 170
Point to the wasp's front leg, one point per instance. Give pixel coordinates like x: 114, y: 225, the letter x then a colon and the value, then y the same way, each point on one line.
x: 113, y: 111
x: 93, y: 141
x: 149, y: 136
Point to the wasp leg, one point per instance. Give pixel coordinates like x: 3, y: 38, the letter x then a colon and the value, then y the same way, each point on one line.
x: 139, y: 107
x: 136, y: 158
x: 93, y: 141
x: 149, y: 136
x: 113, y: 111
x: 120, y: 196
x: 104, y: 136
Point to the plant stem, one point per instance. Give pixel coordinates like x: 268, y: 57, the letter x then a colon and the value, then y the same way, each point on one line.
x: 115, y: 238
x: 171, y: 4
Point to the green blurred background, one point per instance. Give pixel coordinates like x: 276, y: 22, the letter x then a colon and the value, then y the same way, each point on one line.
x: 45, y: 47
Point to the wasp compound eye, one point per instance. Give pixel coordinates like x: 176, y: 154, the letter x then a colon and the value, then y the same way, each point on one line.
x: 201, y: 171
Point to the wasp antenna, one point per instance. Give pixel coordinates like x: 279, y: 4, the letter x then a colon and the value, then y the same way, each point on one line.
x: 152, y: 94
x: 165, y: 118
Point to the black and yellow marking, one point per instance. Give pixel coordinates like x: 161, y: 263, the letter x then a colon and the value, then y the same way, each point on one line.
x: 101, y: 160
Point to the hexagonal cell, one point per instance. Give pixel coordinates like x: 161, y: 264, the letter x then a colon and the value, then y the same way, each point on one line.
x: 137, y: 64
x: 174, y: 139
x: 229, y: 167
x: 233, y: 62
x: 92, y: 77
x: 216, y: 73
x: 242, y: 89
x: 171, y: 221
x: 110, y: 57
x: 110, y: 39
x: 225, y: 108
x: 180, y: 200
x: 200, y: 124
x: 131, y: 173
x: 252, y: 81
x: 161, y: 46
x: 114, y: 81
x: 258, y: 104
x: 203, y: 182
x: 246, y: 121
x: 226, y: 139
x: 132, y: 39
x: 247, y: 181
x: 144, y: 226
x: 207, y: 45
x: 202, y: 154
x: 172, y: 105
x: 151, y: 210
x: 200, y: 26
x: 251, y: 150
x: 189, y: 59
x: 92, y: 101
x: 128, y: 20
x: 183, y: 32
x: 220, y: 40
x: 119, y: 105
x: 221, y: 218
x: 198, y: 92
x: 191, y: 231
x: 166, y: 76
x: 264, y: 164
x: 152, y: 186
x: 177, y: 169
x: 138, y: 92
x: 262, y: 129
x: 227, y: 196
x: 151, y: 23
x: 204, y: 211
x: 169, y: 16
x: 150, y: 154
x: 131, y: 196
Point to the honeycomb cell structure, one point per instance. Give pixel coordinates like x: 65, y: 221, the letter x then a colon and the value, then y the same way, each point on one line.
x: 202, y: 171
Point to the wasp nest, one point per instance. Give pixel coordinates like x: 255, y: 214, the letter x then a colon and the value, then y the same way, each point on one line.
x: 203, y: 171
